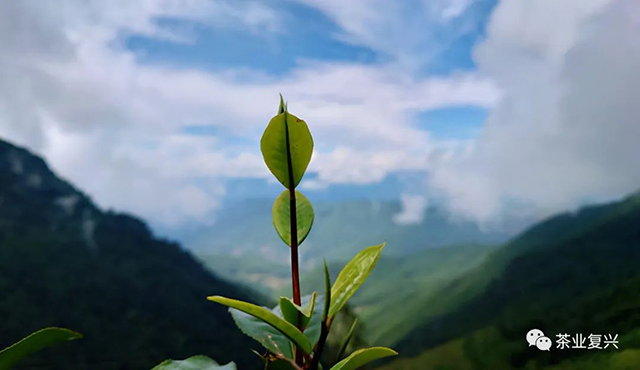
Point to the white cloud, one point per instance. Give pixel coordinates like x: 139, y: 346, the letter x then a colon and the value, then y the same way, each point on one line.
x: 567, y: 129
x: 413, y: 209
x: 70, y: 89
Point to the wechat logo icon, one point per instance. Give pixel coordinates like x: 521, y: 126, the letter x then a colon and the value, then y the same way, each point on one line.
x: 535, y: 337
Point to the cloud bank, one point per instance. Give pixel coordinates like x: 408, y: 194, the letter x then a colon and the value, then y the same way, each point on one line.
x: 568, y: 128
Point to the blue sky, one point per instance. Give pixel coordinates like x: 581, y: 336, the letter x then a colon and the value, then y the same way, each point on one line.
x: 308, y: 36
x: 156, y: 107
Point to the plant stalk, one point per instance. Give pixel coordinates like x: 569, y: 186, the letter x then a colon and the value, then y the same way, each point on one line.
x: 295, y: 273
x: 293, y: 221
x: 324, y: 333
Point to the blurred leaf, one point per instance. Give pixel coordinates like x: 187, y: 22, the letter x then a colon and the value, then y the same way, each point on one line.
x: 33, y: 343
x: 343, y: 348
x: 281, y: 214
x: 270, y: 318
x: 352, y: 276
x: 362, y: 357
x: 287, y: 138
x: 291, y: 311
x: 194, y: 363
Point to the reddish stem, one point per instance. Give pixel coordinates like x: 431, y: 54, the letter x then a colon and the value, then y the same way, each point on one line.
x: 293, y: 221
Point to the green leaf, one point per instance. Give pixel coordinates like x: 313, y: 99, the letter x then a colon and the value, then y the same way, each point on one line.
x: 312, y: 332
x: 194, y: 363
x: 343, y: 348
x: 352, y: 276
x: 33, y: 343
x: 270, y: 338
x: 287, y: 141
x: 270, y: 318
x: 362, y: 357
x: 281, y: 214
x: 327, y: 291
x: 291, y: 311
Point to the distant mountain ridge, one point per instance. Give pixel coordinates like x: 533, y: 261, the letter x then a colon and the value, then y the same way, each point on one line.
x: 137, y: 299
x: 340, y: 229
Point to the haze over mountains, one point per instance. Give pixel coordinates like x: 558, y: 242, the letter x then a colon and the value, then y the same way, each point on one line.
x: 243, y: 245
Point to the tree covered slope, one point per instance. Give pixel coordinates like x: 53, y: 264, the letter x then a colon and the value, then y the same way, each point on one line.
x: 573, y: 272
x: 64, y: 262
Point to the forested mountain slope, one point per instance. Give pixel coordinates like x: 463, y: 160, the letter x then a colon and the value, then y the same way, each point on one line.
x: 573, y: 272
x: 137, y: 299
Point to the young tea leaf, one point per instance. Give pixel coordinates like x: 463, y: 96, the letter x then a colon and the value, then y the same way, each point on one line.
x: 281, y: 214
x: 362, y: 357
x: 270, y: 318
x: 194, y: 363
x: 352, y: 276
x: 287, y: 140
x: 33, y: 343
x: 291, y: 311
x: 282, y: 107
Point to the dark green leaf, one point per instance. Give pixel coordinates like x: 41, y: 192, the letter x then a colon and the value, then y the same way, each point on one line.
x: 278, y: 364
x: 281, y: 214
x: 362, y: 357
x: 277, y: 147
x: 194, y: 363
x: 352, y: 276
x: 270, y: 318
x: 33, y: 343
x: 270, y: 338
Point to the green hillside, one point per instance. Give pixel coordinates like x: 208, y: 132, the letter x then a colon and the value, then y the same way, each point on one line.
x: 406, y: 284
x: 572, y: 273
x: 137, y: 299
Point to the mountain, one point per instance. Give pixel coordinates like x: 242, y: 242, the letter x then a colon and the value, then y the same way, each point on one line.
x: 340, y: 230
x: 137, y: 299
x: 404, y: 284
x: 573, y: 273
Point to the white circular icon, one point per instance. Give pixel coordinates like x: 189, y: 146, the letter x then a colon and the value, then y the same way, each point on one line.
x: 543, y: 343
x: 533, y: 335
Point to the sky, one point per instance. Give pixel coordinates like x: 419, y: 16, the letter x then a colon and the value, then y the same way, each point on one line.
x: 496, y: 109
